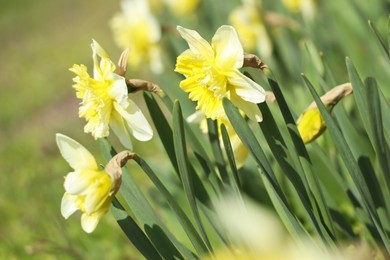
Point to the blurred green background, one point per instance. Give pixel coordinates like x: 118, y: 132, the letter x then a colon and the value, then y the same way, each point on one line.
x: 40, y: 40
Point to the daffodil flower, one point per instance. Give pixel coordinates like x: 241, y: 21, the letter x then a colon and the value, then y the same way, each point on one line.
x: 212, y: 73
x: 137, y: 29
x: 310, y: 123
x: 105, y: 103
x: 87, y: 188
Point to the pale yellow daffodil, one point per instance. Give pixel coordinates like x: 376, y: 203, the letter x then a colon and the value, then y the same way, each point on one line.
x: 310, y: 123
x: 105, y: 103
x: 137, y: 29
x: 87, y: 188
x: 212, y: 73
x: 250, y: 28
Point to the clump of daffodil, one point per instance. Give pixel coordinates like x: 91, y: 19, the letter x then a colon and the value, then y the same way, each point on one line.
x: 310, y: 123
x: 239, y: 150
x: 306, y: 7
x: 137, y: 29
x: 212, y: 73
x: 250, y: 28
x: 182, y: 7
x: 105, y: 103
x: 88, y: 188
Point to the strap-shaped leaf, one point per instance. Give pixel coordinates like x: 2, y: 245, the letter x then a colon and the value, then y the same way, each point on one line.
x: 351, y: 164
x: 133, y: 232
x: 278, y: 198
x: 381, y: 41
x: 163, y: 240
x: 182, y: 217
x: 183, y: 163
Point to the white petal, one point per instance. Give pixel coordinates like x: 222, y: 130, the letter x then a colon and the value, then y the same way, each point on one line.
x: 89, y: 223
x: 250, y: 109
x: 76, y: 184
x: 229, y: 53
x: 74, y: 153
x: 119, y: 90
x: 67, y: 206
x: 246, y: 88
x: 118, y: 127
x: 136, y: 121
x: 197, y: 44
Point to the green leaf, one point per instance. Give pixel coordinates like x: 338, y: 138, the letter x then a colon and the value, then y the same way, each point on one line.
x: 233, y: 174
x: 350, y: 163
x: 216, y: 147
x: 183, y: 163
x: 163, y: 240
x: 278, y: 198
x: 133, y: 232
x: 299, y: 155
x: 182, y: 217
x: 201, y: 155
x: 166, y: 136
x: 381, y: 41
x: 279, y: 150
x: 377, y: 130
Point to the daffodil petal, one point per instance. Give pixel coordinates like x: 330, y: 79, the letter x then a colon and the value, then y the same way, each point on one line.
x: 74, y: 153
x: 197, y: 44
x: 119, y: 90
x: 75, y: 184
x: 250, y: 109
x: 120, y: 130
x: 95, y: 200
x: 136, y: 121
x: 246, y: 88
x: 227, y: 47
x: 67, y: 206
x: 89, y: 222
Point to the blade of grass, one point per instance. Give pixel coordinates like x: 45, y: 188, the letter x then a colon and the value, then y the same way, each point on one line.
x: 133, y: 232
x: 182, y: 161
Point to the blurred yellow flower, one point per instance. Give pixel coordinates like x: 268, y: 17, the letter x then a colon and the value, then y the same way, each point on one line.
x: 250, y: 28
x: 212, y: 73
x: 138, y: 30
x: 105, y: 101
x: 87, y: 188
x: 182, y: 7
x: 310, y: 123
x: 306, y: 7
